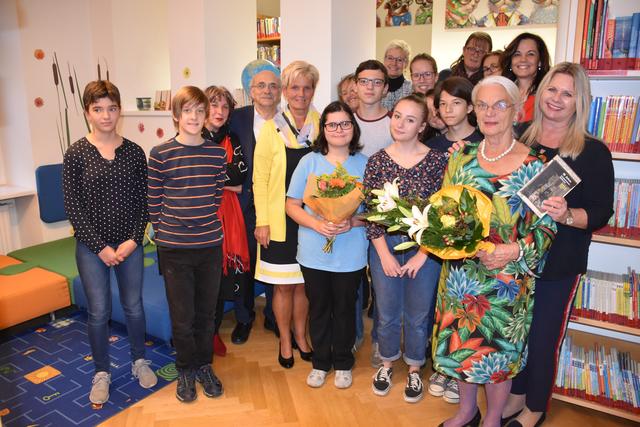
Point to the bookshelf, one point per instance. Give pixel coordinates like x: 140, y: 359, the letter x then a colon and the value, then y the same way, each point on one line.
x: 268, y: 38
x: 607, y: 253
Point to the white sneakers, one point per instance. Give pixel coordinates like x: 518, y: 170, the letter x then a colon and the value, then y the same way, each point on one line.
x: 317, y: 377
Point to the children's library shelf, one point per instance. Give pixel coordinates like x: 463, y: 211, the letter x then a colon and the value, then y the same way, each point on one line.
x: 591, y: 368
x: 620, y: 252
x: 597, y: 406
x: 613, y: 240
x: 268, y: 38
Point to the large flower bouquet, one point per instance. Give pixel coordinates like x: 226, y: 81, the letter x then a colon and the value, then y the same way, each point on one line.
x: 451, y: 224
x: 335, y: 197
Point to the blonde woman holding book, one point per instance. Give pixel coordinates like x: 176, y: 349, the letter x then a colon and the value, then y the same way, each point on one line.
x: 558, y: 128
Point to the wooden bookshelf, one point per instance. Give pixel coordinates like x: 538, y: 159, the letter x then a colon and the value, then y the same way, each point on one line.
x: 597, y: 406
x: 606, y: 325
x: 635, y: 157
x: 613, y: 240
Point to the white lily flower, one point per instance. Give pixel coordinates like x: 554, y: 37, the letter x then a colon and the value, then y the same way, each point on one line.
x: 388, y: 196
x: 418, y: 222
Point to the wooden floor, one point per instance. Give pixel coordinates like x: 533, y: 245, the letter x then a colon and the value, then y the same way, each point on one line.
x: 258, y: 392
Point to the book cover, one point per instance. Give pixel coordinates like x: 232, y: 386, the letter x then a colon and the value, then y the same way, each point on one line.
x: 596, y: 34
x: 608, y: 43
x: 621, y: 42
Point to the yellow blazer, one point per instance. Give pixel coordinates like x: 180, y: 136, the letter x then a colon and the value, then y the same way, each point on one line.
x: 269, y: 169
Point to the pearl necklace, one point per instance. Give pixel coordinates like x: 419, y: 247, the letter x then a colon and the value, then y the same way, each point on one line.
x: 499, y: 156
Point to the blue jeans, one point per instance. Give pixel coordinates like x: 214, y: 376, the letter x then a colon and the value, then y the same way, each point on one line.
x: 404, y: 305
x: 95, y: 276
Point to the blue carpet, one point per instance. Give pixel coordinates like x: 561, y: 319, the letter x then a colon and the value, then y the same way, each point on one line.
x: 32, y: 393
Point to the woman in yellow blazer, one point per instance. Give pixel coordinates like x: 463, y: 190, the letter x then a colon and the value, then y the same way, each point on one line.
x: 282, y: 142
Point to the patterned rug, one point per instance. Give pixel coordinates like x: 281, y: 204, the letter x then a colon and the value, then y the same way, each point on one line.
x: 46, y: 372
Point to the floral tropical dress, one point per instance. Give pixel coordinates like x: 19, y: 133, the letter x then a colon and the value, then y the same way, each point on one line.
x: 483, y: 316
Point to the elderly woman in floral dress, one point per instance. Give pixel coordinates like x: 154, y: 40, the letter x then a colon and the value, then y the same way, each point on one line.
x: 484, y: 304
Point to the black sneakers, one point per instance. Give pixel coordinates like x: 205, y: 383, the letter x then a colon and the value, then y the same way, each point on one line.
x: 211, y: 385
x: 186, y: 388
x: 413, y: 389
x: 382, y: 381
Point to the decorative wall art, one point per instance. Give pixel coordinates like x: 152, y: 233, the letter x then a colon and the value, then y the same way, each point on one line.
x: 500, y: 13
x: 396, y: 13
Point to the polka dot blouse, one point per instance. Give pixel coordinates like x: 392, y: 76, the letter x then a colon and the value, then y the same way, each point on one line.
x: 105, y: 200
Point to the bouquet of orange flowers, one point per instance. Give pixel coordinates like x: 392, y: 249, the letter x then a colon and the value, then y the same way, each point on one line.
x: 335, y: 197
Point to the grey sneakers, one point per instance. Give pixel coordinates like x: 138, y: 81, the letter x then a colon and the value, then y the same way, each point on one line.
x: 316, y: 378
x: 141, y: 370
x: 100, y: 388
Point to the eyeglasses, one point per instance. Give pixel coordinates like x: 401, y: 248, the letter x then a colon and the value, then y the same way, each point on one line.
x: 263, y: 86
x: 425, y: 75
x: 333, y: 126
x: 491, y: 68
x: 500, y: 106
x: 476, y: 50
x: 396, y: 59
x: 365, y: 82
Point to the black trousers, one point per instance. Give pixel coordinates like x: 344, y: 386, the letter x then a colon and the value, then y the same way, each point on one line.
x: 332, y: 310
x: 551, y: 311
x: 192, y: 283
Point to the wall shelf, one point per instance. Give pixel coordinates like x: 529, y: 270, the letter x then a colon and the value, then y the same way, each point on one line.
x: 273, y: 39
x: 613, y: 240
x: 626, y: 156
x: 8, y: 192
x: 597, y: 406
x: 606, y: 325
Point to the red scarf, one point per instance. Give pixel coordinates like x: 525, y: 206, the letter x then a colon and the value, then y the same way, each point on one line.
x: 235, y: 249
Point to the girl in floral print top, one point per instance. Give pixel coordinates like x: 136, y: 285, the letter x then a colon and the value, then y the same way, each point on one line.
x: 404, y: 282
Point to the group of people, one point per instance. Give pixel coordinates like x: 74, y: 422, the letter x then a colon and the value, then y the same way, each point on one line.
x: 226, y: 202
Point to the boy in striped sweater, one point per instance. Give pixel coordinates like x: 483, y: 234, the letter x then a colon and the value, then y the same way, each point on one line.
x: 186, y: 176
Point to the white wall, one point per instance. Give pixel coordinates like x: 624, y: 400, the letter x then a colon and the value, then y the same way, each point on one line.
x: 446, y: 45
x: 140, y: 64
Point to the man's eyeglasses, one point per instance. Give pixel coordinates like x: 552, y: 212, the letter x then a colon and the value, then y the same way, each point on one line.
x: 396, y: 59
x: 263, y: 86
x: 471, y: 50
x: 333, y: 126
x: 425, y: 75
x: 491, y: 68
x: 365, y: 82
x: 498, y: 106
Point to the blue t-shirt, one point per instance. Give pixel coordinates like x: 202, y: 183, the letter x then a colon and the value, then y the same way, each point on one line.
x: 350, y: 248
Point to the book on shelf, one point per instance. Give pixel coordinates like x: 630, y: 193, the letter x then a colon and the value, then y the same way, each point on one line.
x: 615, y: 119
x: 609, y: 297
x: 625, y: 221
x: 268, y: 27
x: 610, y: 39
x: 555, y: 179
x: 606, y: 376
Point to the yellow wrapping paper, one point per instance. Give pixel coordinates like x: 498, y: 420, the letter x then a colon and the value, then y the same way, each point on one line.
x: 484, y: 206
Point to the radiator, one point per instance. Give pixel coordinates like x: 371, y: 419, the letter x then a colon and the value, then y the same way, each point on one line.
x: 8, y: 227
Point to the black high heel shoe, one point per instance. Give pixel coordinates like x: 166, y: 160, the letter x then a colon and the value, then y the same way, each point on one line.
x: 286, y: 363
x: 473, y: 422
x: 307, y: 356
x: 504, y: 421
x: 516, y: 423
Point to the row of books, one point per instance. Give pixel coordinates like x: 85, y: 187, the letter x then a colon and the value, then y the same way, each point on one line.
x: 268, y: 27
x: 625, y: 221
x: 609, y: 378
x: 270, y: 53
x: 609, y: 297
x: 609, y: 42
x: 615, y: 119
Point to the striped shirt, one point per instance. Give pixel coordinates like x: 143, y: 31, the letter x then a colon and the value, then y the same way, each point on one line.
x: 184, y: 191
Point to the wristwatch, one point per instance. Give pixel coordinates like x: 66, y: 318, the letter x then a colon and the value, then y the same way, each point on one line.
x: 569, y: 219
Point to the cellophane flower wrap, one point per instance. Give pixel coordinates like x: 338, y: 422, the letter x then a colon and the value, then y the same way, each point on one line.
x: 335, y: 197
x: 451, y: 224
